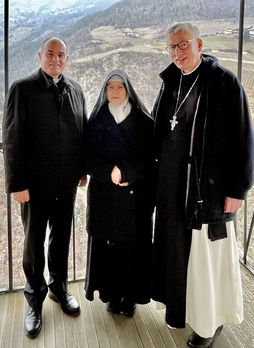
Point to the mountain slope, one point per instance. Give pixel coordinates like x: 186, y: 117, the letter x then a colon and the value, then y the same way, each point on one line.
x: 78, y: 30
x: 135, y: 13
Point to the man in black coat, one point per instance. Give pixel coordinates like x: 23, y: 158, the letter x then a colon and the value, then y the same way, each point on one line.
x: 43, y: 129
x: 204, y: 158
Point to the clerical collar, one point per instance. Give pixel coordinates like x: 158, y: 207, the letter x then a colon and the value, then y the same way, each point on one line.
x: 190, y: 72
x: 50, y: 78
x: 56, y: 80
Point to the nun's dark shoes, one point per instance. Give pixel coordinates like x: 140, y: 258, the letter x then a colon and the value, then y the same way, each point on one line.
x: 128, y: 307
x: 122, y: 306
x: 114, y: 306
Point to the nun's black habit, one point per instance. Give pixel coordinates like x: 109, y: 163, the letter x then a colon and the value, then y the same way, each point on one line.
x: 119, y: 219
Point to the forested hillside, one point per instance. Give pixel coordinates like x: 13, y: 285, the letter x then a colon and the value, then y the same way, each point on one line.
x: 162, y: 12
x: 144, y: 13
x: 133, y: 14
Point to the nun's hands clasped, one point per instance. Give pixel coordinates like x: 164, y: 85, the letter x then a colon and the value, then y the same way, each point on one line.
x: 116, y: 177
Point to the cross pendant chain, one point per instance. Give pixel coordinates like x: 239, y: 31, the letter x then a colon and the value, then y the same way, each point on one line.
x: 173, y: 120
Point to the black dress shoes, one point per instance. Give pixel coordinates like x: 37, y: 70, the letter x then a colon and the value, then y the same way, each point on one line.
x: 67, y: 302
x: 196, y: 341
x: 33, y: 321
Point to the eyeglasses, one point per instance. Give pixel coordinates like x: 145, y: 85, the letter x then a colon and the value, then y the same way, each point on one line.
x: 183, y: 45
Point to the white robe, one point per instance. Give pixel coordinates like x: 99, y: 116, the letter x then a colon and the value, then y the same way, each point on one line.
x: 214, y: 290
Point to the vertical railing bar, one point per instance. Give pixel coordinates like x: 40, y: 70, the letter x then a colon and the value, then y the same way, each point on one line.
x: 240, y: 40
x: 6, y: 86
x: 239, y: 75
x: 250, y: 233
x: 6, y: 45
x: 245, y: 250
x: 10, y: 253
x: 74, y: 246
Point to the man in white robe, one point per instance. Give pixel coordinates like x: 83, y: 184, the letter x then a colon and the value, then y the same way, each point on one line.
x: 203, y: 147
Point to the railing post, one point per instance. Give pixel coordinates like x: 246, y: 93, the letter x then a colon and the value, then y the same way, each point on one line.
x: 73, y: 246
x: 245, y: 249
x: 240, y: 40
x: 6, y: 86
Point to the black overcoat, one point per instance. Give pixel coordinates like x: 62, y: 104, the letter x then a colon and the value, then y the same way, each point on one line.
x: 222, y: 144
x: 43, y: 135
x: 114, y: 212
x: 221, y: 165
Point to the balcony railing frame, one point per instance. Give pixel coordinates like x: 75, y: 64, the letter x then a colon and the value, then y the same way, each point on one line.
x: 247, y: 234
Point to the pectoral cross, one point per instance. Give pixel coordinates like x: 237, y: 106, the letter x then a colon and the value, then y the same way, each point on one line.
x: 173, y: 122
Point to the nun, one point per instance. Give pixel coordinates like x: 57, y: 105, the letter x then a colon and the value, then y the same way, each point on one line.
x: 119, y: 199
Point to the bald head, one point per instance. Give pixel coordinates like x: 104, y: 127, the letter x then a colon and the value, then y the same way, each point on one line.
x: 50, y: 40
x: 53, y: 56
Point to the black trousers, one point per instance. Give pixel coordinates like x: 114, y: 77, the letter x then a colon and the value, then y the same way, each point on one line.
x: 36, y: 215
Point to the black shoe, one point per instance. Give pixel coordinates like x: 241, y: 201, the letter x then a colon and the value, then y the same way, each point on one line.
x: 67, y: 302
x: 196, y: 341
x: 114, y: 306
x: 33, y: 322
x: 128, y: 307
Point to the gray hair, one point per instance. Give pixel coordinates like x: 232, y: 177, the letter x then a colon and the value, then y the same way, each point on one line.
x: 183, y: 26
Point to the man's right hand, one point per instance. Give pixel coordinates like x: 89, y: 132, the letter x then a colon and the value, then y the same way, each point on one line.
x: 21, y: 196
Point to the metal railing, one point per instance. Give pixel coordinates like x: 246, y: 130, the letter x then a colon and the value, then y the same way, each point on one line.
x: 247, y: 233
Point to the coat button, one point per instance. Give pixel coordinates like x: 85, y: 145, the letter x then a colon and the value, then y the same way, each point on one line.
x: 211, y: 181
x: 131, y: 192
